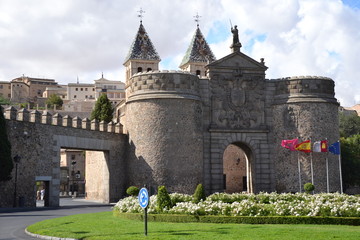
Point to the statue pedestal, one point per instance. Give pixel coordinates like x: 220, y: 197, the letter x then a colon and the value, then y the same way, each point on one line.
x: 236, y: 47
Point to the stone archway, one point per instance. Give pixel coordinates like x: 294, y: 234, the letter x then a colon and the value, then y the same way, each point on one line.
x: 237, y: 170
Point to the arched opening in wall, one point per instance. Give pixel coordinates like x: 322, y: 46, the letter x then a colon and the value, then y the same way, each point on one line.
x: 72, y: 173
x: 139, y: 69
x: 84, y: 174
x: 237, y: 175
x: 198, y: 72
x: 148, y: 69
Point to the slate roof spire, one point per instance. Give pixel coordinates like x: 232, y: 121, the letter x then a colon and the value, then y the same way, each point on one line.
x: 142, y: 47
x: 199, y: 50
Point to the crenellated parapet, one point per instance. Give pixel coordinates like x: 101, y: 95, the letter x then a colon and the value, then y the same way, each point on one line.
x: 304, y: 89
x: 163, y: 84
x: 46, y: 118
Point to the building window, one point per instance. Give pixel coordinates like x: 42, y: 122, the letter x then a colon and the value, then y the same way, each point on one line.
x: 72, y: 156
x: 81, y: 89
x: 139, y: 69
x: 76, y: 89
x: 85, y: 89
x: 38, y: 92
x: 74, y: 96
x: 1, y: 86
x: 85, y: 96
x: 93, y: 89
x: 149, y: 69
x: 198, y: 72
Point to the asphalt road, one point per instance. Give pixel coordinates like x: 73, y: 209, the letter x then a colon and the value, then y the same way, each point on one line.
x: 13, y: 221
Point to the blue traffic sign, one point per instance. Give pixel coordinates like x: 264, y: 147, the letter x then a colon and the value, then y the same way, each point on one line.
x: 143, y: 198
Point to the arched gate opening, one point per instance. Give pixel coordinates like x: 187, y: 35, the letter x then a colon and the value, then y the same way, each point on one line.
x: 237, y: 170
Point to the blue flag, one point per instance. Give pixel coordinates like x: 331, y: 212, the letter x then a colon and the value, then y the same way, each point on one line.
x: 335, y: 148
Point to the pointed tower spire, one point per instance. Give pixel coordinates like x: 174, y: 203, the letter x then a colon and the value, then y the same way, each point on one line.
x: 198, y: 55
x: 142, y: 55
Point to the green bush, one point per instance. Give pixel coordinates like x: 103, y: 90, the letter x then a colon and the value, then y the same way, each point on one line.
x: 163, y: 199
x: 309, y: 187
x: 199, y: 194
x: 133, y: 191
x: 242, y: 219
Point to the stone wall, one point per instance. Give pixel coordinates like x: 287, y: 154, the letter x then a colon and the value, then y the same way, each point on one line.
x: 163, y: 118
x: 38, y: 143
x: 305, y: 108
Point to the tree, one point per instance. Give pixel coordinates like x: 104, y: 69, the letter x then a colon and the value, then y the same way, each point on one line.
x: 349, y: 125
x: 163, y: 199
x: 350, y: 160
x: 199, y: 194
x: 4, y: 101
x: 54, y: 100
x: 103, y: 109
x: 6, y: 164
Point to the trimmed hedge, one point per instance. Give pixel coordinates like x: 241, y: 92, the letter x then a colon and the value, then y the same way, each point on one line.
x: 242, y: 219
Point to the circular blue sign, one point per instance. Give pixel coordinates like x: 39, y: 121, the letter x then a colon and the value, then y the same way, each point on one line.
x: 143, y: 198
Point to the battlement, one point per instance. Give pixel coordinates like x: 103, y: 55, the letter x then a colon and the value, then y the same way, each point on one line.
x: 35, y: 116
x: 163, y: 84
x: 304, y: 88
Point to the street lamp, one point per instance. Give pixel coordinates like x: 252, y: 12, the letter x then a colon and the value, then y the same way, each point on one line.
x: 17, y: 159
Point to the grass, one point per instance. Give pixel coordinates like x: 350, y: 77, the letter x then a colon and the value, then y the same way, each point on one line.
x: 105, y: 226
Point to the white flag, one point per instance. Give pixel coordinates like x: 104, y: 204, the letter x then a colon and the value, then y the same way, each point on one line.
x: 317, y: 146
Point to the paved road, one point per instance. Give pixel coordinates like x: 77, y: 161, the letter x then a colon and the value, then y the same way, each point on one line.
x: 14, y: 221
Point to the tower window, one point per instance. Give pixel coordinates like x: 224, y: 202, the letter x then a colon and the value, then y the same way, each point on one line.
x: 149, y: 69
x: 198, y: 72
x: 139, y: 69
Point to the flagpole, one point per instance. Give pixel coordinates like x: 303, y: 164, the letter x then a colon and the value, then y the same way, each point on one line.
x: 341, y: 185
x: 299, y: 171
x: 327, y: 166
x: 311, y: 166
x: 327, y: 174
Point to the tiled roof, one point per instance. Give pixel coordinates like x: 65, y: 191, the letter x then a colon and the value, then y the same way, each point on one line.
x: 142, y: 47
x: 199, y: 50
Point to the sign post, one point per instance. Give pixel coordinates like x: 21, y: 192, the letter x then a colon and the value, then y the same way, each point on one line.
x: 144, y: 202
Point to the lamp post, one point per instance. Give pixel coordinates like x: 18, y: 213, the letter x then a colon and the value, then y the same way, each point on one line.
x: 16, y: 160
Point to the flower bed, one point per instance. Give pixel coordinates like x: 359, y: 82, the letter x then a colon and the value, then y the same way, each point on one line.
x: 262, y: 204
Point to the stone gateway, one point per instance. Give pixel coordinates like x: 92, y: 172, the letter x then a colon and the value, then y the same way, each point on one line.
x: 174, y: 128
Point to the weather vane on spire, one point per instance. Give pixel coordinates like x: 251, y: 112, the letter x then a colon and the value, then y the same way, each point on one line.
x: 197, y: 19
x: 141, y: 15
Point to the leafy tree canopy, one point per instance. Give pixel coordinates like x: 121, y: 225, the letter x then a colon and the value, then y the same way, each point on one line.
x: 350, y: 160
x: 6, y: 164
x: 349, y: 124
x: 4, y: 101
x: 54, y: 100
x: 103, y: 109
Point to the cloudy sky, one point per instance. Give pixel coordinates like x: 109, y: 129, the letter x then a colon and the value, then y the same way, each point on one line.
x: 66, y: 39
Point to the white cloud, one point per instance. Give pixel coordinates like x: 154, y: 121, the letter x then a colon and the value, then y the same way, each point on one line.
x: 65, y: 39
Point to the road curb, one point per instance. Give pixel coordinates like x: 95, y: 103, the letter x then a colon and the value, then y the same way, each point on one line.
x: 46, y: 237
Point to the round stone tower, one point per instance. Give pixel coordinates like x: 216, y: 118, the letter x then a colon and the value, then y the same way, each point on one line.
x: 163, y: 121
x: 305, y: 108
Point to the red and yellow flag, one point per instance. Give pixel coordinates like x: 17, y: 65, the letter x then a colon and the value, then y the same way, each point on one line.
x: 304, y: 146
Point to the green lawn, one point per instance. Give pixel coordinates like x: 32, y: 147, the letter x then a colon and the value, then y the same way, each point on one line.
x: 105, y: 226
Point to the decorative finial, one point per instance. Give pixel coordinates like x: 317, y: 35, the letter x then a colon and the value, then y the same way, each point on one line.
x: 197, y: 19
x: 141, y: 15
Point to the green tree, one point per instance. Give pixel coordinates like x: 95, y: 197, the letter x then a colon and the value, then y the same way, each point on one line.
x: 6, y: 164
x: 163, y: 199
x: 350, y: 160
x: 54, y: 100
x: 199, y: 194
x: 349, y: 125
x: 103, y: 109
x: 4, y: 101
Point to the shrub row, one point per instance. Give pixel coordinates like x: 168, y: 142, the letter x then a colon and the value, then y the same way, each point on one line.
x: 242, y: 219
